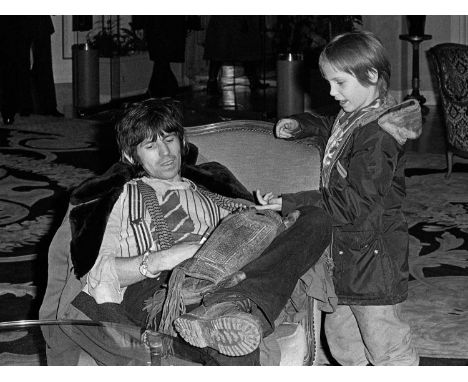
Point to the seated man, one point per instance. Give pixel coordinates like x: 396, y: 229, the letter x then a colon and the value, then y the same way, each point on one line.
x: 134, y: 256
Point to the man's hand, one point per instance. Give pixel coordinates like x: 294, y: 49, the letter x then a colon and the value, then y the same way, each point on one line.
x: 286, y: 128
x: 168, y: 259
x: 269, y: 201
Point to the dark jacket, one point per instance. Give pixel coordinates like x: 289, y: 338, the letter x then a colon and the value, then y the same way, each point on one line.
x: 364, y: 196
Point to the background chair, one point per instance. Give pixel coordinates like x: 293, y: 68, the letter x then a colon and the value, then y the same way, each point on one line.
x: 450, y: 65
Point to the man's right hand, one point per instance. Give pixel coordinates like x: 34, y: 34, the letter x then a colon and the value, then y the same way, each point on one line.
x: 168, y: 259
x: 286, y: 128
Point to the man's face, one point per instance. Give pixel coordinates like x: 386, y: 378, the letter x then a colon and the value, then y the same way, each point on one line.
x: 161, y: 159
x: 347, y: 90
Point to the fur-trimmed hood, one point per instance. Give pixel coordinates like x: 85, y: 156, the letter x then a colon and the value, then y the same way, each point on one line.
x: 402, y: 121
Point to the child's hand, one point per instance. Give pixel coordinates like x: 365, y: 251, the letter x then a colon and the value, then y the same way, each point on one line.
x: 286, y: 128
x: 269, y: 202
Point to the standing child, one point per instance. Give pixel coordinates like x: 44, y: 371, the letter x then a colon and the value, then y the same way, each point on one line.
x: 362, y: 189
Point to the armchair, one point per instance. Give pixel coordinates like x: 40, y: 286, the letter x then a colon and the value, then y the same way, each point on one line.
x: 450, y: 64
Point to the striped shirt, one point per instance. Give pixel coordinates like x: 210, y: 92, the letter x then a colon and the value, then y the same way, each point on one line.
x: 188, y: 213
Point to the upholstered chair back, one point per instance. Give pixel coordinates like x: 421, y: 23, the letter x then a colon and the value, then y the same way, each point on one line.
x: 450, y: 66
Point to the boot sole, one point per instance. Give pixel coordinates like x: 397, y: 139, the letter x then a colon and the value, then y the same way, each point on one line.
x: 230, y: 335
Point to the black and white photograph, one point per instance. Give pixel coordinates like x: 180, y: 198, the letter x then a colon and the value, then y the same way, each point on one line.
x: 234, y: 185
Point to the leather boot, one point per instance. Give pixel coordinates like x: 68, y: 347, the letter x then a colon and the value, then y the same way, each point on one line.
x: 227, y: 327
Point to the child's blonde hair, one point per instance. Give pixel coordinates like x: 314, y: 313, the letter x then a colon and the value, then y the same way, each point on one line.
x: 357, y: 53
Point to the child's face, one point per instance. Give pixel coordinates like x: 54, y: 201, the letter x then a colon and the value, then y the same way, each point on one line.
x: 347, y: 90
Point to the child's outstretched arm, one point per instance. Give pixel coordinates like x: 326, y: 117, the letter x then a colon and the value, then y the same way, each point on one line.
x: 304, y: 125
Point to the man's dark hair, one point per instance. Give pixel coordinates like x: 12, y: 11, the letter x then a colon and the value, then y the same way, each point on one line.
x: 148, y: 120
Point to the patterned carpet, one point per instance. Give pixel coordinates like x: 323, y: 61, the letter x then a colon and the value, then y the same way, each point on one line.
x: 41, y: 158
x: 437, y: 214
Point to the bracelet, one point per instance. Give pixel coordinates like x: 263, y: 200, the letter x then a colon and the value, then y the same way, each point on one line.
x: 144, y: 267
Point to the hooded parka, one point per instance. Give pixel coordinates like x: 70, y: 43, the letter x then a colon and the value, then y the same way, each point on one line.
x: 362, y: 188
